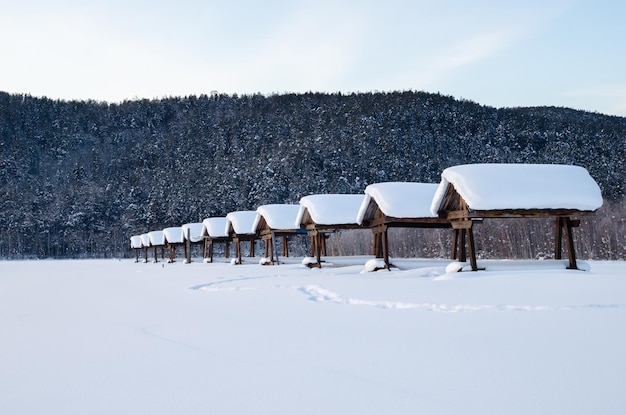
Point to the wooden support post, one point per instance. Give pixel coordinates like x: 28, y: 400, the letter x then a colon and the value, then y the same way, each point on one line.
x: 558, y: 237
x: 316, y: 248
x: 455, y: 244
x: 188, y: 246
x: 237, y: 243
x: 385, y: 246
x: 172, y: 253
x: 285, y: 246
x: 375, y: 250
x: 274, y: 251
x: 463, y: 252
x: 471, y: 248
x: 267, y: 253
x: 569, y: 241
x: 466, y: 230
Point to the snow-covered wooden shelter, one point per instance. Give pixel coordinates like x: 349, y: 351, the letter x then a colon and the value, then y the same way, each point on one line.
x: 157, y: 240
x: 145, y: 244
x: 276, y: 221
x: 214, y: 230
x: 240, y: 227
x: 136, y: 245
x: 173, y: 239
x: 193, y: 234
x: 468, y: 193
x: 323, y: 214
x: 397, y: 204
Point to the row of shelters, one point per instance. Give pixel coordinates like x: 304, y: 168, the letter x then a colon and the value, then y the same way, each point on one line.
x: 466, y: 195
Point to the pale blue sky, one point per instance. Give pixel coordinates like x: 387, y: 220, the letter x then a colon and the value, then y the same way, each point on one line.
x: 567, y: 53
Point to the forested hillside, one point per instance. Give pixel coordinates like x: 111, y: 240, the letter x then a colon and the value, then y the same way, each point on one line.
x: 78, y: 178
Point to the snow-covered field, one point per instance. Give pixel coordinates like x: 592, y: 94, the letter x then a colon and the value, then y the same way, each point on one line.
x: 115, y: 337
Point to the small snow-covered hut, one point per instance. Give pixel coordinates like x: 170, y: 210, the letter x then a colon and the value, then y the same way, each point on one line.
x: 145, y: 243
x: 275, y: 221
x: 240, y: 227
x: 397, y: 204
x: 323, y: 214
x: 157, y: 240
x: 136, y: 245
x: 173, y: 238
x: 193, y: 234
x: 214, y: 230
x: 468, y: 193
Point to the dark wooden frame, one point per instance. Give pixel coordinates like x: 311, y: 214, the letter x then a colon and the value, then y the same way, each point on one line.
x: 207, y: 249
x: 238, y: 239
x: 319, y: 234
x: 380, y: 223
x: 269, y: 236
x: 454, y: 209
x: 189, y: 243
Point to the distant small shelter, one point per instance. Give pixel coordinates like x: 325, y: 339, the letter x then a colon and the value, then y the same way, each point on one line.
x: 157, y: 240
x: 323, y: 214
x: 240, y: 227
x: 136, y: 245
x: 174, y: 238
x: 277, y: 221
x: 470, y: 193
x: 214, y: 230
x: 193, y: 234
x: 397, y: 204
x: 145, y: 244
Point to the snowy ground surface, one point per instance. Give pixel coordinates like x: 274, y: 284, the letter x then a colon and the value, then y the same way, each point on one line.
x: 116, y: 337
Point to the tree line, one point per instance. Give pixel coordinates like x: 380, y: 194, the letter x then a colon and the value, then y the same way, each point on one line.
x: 77, y: 178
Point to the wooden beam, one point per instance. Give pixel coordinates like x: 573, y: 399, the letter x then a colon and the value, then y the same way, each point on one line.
x: 385, y: 238
x: 455, y: 244
x: 187, y: 246
x: 569, y: 241
x: 471, y: 249
x: 285, y: 246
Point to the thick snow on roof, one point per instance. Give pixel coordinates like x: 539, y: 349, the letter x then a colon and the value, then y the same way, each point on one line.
x: 195, y: 231
x: 278, y: 216
x: 215, y: 227
x: 145, y: 239
x: 330, y: 209
x: 174, y: 235
x: 400, y: 199
x: 157, y: 238
x: 521, y: 186
x: 242, y: 222
x: 135, y: 241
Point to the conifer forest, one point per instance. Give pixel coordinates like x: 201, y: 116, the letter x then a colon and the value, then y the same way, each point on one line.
x: 78, y: 178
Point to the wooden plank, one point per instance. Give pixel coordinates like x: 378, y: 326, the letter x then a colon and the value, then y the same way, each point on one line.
x: 471, y: 249
x: 569, y: 241
x: 527, y: 213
